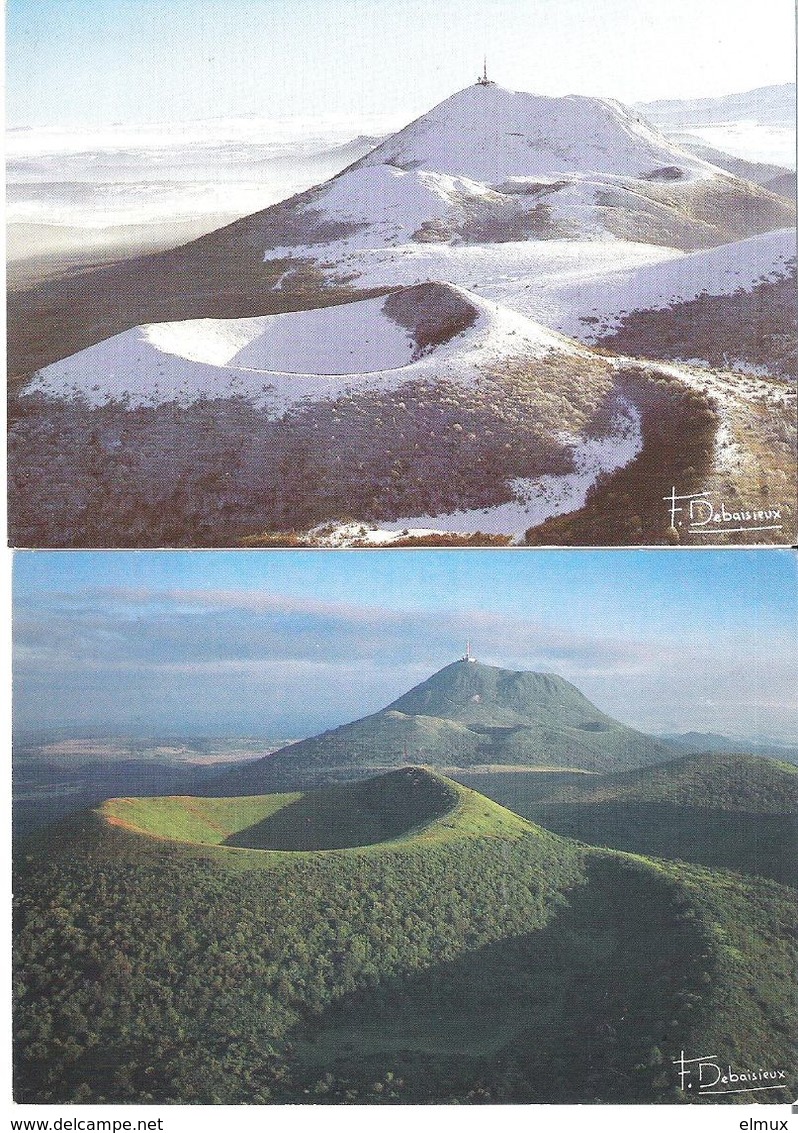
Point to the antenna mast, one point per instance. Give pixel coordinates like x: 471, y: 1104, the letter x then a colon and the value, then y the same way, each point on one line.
x: 483, y: 80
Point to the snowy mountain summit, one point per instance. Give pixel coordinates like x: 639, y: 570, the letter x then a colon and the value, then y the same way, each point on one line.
x: 490, y: 166
x: 489, y: 134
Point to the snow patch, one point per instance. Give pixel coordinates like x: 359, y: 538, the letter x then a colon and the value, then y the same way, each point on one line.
x: 362, y: 534
x: 536, y: 500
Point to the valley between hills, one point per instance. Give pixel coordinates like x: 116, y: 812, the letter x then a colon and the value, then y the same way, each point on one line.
x: 520, y: 319
x: 387, y: 933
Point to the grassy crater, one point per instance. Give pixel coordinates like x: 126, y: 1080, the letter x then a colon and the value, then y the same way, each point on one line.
x: 404, y: 804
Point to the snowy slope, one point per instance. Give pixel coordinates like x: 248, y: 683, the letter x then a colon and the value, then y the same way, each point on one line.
x: 721, y: 271
x: 276, y: 361
x: 391, y: 204
x: 489, y: 133
x: 561, y: 283
x: 579, y: 289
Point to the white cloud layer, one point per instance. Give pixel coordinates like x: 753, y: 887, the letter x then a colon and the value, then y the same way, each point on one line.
x: 225, y: 662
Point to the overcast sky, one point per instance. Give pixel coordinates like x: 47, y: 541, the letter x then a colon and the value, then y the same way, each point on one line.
x: 101, y: 61
x: 285, y: 644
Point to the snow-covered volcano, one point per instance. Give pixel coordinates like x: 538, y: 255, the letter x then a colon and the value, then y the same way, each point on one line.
x: 425, y: 401
x: 544, y: 217
x: 488, y: 133
x: 417, y: 333
x: 495, y: 166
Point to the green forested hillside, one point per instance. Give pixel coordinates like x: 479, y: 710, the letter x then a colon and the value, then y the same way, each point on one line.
x: 474, y: 957
x: 728, y: 810
x: 731, y: 782
x: 466, y: 715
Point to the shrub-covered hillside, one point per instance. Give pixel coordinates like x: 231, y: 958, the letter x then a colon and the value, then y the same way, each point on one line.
x: 479, y: 958
x: 732, y: 811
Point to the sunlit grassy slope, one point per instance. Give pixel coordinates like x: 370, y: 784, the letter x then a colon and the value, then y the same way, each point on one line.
x: 402, y: 804
x: 187, y: 819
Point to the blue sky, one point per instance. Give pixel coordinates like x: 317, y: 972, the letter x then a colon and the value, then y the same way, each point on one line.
x: 288, y: 643
x: 100, y: 61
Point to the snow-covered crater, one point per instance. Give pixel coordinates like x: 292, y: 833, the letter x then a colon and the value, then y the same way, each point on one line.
x: 349, y: 339
x: 423, y: 332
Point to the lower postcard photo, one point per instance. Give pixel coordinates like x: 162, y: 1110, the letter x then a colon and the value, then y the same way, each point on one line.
x: 432, y: 828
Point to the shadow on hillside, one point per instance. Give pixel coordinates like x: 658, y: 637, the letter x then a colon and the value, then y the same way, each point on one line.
x: 585, y: 1010
x: 516, y: 789
x: 305, y: 825
x: 354, y: 814
x: 758, y: 844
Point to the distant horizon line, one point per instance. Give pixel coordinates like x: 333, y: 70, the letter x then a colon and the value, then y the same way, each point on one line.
x: 77, y: 732
x: 251, y: 115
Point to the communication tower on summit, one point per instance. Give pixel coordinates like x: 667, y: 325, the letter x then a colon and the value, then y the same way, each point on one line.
x: 469, y: 656
x: 483, y: 80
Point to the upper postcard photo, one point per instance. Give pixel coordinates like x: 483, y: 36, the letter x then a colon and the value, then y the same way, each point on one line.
x: 348, y: 273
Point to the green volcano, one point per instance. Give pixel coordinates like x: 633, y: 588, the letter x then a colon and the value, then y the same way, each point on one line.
x: 468, y: 715
x: 398, y: 939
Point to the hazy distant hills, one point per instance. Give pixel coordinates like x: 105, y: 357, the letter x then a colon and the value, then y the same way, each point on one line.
x: 696, y: 742
x: 777, y: 178
x: 466, y: 715
x: 772, y: 104
x: 117, y: 196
